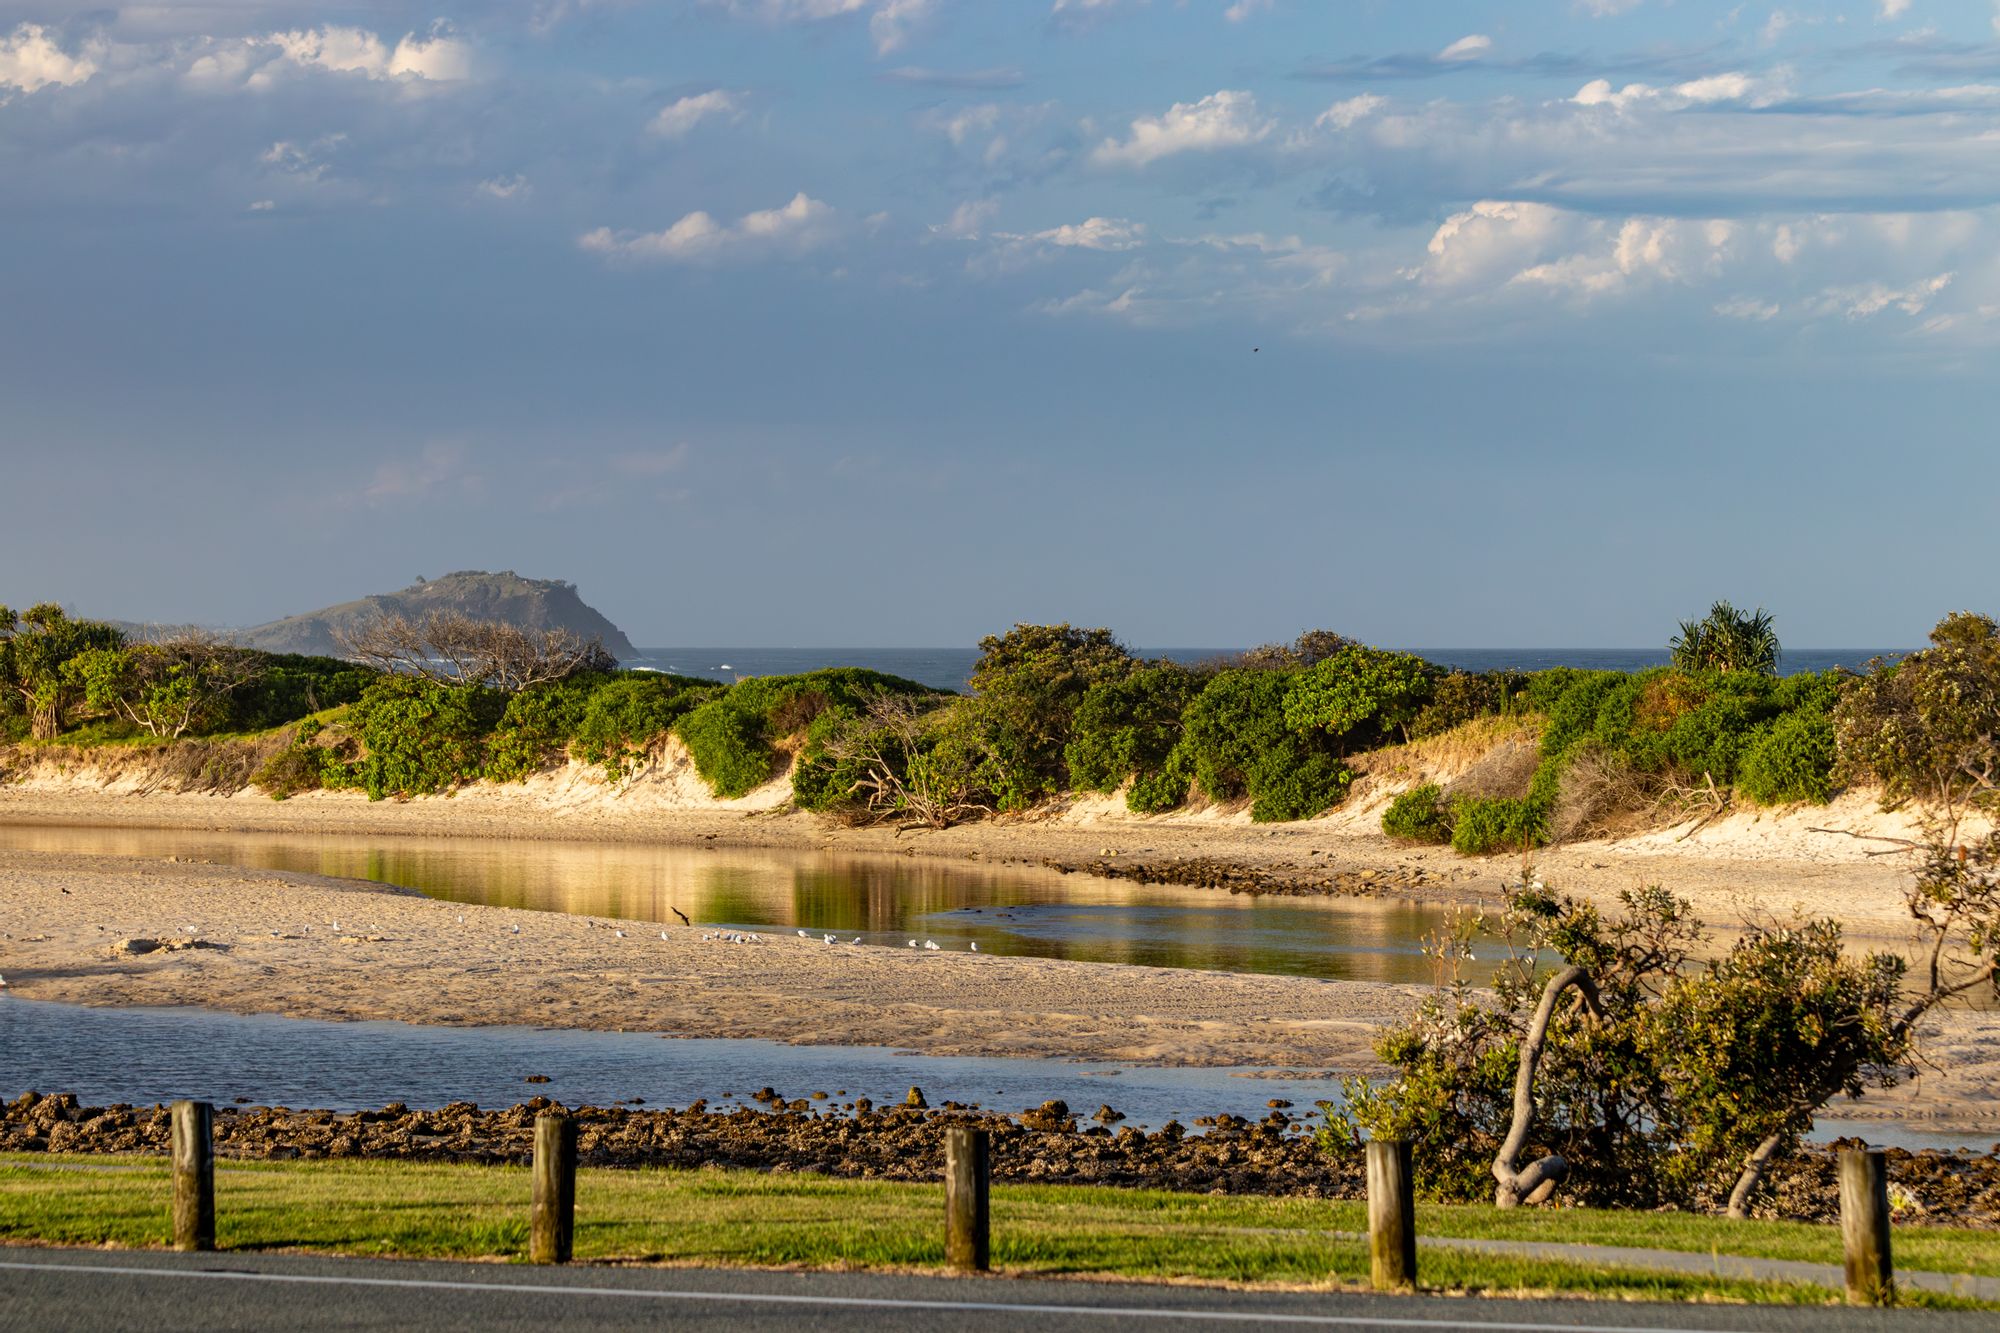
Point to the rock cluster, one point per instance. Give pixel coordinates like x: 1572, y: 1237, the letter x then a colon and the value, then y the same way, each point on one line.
x: 1275, y: 880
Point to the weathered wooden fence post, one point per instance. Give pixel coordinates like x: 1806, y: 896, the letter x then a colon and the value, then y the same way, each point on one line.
x: 552, y: 1218
x: 968, y: 1175
x: 1392, y: 1217
x: 1864, y: 1226
x: 194, y: 1175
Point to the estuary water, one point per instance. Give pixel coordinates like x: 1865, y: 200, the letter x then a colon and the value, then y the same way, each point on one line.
x: 882, y: 901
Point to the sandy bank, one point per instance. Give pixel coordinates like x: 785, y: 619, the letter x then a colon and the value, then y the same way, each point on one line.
x: 403, y: 957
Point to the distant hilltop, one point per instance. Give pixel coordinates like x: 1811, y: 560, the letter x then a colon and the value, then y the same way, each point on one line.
x: 506, y: 597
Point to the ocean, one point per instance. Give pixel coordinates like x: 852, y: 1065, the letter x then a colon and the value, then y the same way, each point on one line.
x: 951, y: 668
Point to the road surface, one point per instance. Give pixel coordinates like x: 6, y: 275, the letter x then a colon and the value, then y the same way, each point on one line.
x: 50, y: 1291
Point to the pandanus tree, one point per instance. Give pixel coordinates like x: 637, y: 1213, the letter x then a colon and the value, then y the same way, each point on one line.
x: 1727, y: 639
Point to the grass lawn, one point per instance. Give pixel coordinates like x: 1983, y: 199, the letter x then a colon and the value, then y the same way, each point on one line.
x: 752, y: 1218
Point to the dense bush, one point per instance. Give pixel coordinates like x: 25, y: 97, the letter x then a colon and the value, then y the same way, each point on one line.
x: 1655, y: 1085
x: 1237, y: 742
x: 421, y: 738
x: 1928, y: 726
x: 1418, y: 815
x: 1360, y: 697
x: 537, y: 727
x: 731, y: 735
x: 1790, y: 759
x: 1460, y: 697
x: 304, y: 764
x: 1026, y: 689
x: 623, y: 714
x: 292, y: 686
x: 1127, y: 729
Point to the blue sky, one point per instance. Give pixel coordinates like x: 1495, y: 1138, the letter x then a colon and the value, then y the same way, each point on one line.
x: 896, y: 321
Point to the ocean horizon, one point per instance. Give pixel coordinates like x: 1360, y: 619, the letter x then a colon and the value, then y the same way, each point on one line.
x: 951, y: 668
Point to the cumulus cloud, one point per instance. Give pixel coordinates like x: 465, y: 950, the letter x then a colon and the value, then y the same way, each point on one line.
x: 800, y: 226
x: 1731, y: 87
x: 678, y: 118
x: 1894, y: 9
x: 1225, y: 119
x: 436, y: 55
x: 1863, y: 300
x: 1094, y: 234
x: 1469, y: 47
x: 1243, y: 9
x: 515, y: 186
x: 1344, y: 114
x: 30, y: 59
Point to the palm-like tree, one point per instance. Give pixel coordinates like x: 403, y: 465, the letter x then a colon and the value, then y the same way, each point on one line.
x: 1727, y: 640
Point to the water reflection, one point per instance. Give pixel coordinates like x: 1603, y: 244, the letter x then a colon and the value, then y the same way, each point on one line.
x: 884, y: 901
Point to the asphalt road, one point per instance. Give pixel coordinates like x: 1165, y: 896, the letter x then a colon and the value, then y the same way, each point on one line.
x: 52, y: 1290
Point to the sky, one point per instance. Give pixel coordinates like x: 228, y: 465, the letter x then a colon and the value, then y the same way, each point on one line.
x: 894, y: 322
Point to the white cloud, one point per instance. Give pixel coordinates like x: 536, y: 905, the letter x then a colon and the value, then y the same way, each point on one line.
x: 440, y: 468
x: 889, y: 25
x: 30, y: 59
x: 435, y: 56
x: 1469, y: 47
x: 802, y: 225
x: 1345, y: 114
x: 1714, y: 88
x: 1225, y: 119
x: 1599, y: 9
x: 676, y: 119
x: 1095, y: 234
x: 1894, y: 9
x: 262, y: 205
x: 1865, y: 299
x: 515, y: 186
x: 1243, y: 9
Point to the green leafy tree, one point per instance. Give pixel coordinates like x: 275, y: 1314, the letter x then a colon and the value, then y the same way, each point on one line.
x: 1236, y: 742
x: 1126, y: 730
x: 35, y: 647
x: 166, y: 689
x: 1928, y: 727
x: 420, y: 737
x: 1027, y: 686
x: 1727, y: 639
x: 1366, y: 694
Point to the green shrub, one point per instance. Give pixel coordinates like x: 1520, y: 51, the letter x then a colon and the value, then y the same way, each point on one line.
x: 1127, y: 729
x: 291, y: 686
x: 627, y: 712
x: 1483, y: 825
x: 1236, y: 742
x: 1418, y: 815
x: 535, y: 730
x: 419, y: 737
x: 1461, y: 696
x: 1027, y: 687
x: 303, y: 765
x: 1360, y: 696
x: 730, y: 736
x: 1790, y: 759
x: 729, y: 747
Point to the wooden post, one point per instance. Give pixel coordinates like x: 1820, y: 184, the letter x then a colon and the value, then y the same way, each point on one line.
x: 552, y: 1218
x: 194, y: 1175
x: 1864, y: 1226
x: 968, y: 1175
x: 1392, y: 1216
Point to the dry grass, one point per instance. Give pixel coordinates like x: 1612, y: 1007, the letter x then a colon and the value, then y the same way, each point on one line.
x: 202, y: 766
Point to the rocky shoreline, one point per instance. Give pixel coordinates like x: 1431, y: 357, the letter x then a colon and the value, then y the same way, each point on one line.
x: 1049, y: 1144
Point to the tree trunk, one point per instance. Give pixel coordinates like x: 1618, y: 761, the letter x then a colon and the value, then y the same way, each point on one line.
x: 1538, y: 1180
x: 1753, y: 1173
x: 47, y: 721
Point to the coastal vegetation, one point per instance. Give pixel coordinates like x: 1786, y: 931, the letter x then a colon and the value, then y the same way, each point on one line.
x: 420, y: 706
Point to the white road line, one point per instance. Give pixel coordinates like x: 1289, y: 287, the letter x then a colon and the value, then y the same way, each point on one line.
x: 846, y: 1302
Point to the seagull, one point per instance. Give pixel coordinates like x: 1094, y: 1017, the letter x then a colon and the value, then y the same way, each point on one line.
x: 804, y: 936
x: 619, y: 933
x: 913, y: 944
x: 461, y: 918
x: 930, y: 944
x: 975, y: 946
x: 515, y: 929
x: 3, y: 983
x: 336, y: 927
x: 855, y: 940
x: 663, y: 935
x: 828, y: 939
x: 682, y: 915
